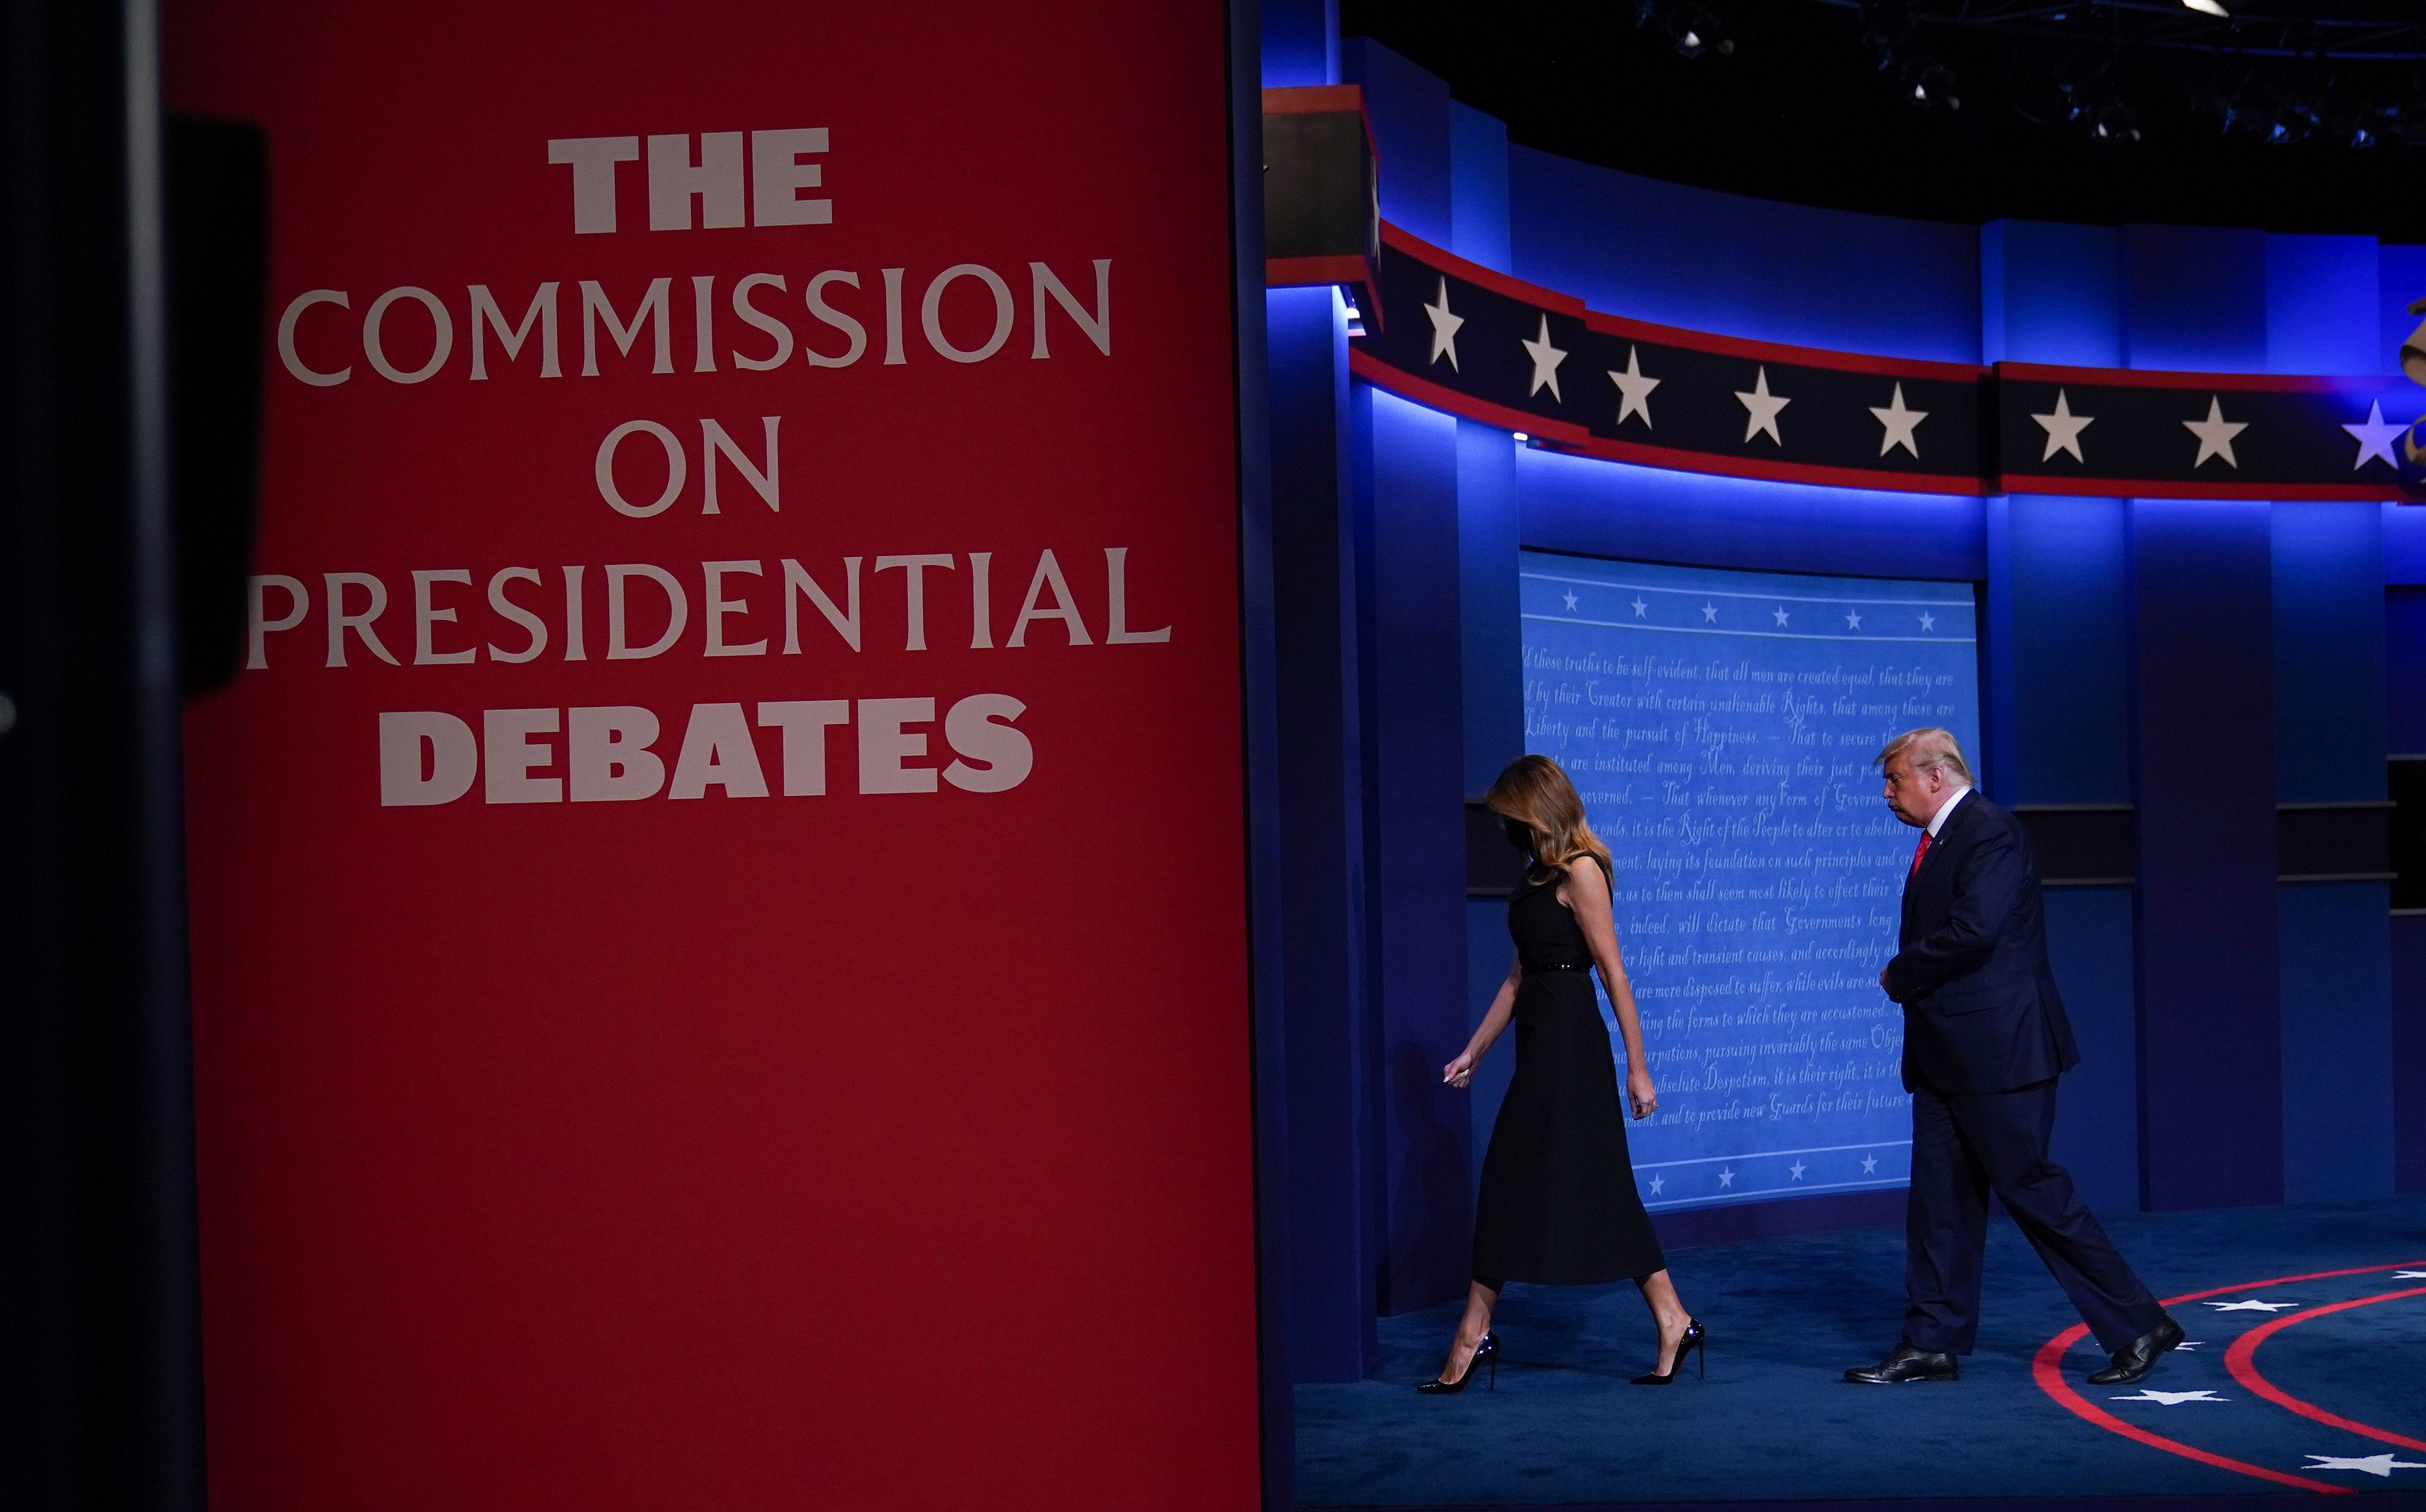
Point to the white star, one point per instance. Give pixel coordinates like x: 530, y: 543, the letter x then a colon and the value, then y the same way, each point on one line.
x: 1709, y: 613
x: 2381, y: 1465
x: 1727, y: 1176
x: 1780, y: 615
x: 1444, y: 329
x: 2189, y: 1343
x: 1900, y: 423
x: 1870, y: 1164
x: 1795, y: 1171
x: 2252, y: 1306
x: 1546, y: 364
x: 2172, y: 1399
x: 1633, y: 389
x: 2375, y: 436
x: 1657, y: 1183
x: 2409, y: 1275
x: 1571, y: 603
x: 1761, y: 407
x: 1927, y: 621
x: 2064, y: 430
x: 1852, y: 619
x: 1640, y: 606
x: 2215, y: 434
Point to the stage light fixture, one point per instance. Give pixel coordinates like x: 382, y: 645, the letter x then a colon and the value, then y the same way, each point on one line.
x: 2207, y: 7
x: 1690, y: 29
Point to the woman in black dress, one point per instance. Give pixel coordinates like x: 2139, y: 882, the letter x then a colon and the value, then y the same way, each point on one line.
x: 1558, y: 1203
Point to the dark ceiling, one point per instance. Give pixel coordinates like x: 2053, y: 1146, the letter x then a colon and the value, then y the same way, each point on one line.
x: 1800, y: 109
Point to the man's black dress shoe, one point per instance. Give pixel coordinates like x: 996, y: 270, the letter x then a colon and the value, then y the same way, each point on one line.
x: 1910, y: 1365
x: 2139, y: 1357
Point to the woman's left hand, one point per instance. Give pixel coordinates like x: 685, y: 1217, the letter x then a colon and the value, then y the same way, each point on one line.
x: 1639, y: 1091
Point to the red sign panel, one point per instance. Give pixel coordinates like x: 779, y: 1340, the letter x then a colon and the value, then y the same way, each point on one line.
x: 718, y: 908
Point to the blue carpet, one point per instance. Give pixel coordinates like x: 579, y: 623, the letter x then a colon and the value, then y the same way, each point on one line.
x: 1786, y: 1316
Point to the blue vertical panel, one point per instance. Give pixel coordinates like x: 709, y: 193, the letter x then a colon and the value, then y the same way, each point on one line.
x: 2338, y: 1042
x: 1416, y: 761
x: 2320, y: 305
x: 1301, y: 42
x: 1409, y: 109
x: 1477, y: 187
x: 2071, y: 637
x: 2194, y: 298
x: 2400, y: 279
x: 2050, y: 293
x: 2404, y: 670
x: 2405, y: 543
x: 1730, y: 263
x: 1487, y: 545
x: 1334, y: 1247
x: 2329, y: 747
x: 2409, y: 1052
x: 2203, y: 705
x: 2097, y: 1131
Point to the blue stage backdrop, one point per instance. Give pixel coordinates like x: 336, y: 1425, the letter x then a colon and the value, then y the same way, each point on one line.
x: 1720, y: 726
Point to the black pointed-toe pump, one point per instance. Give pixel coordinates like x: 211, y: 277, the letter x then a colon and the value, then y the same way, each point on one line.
x: 1487, y: 1351
x: 1696, y: 1339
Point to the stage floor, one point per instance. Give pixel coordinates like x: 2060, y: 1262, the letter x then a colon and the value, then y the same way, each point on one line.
x: 2306, y: 1376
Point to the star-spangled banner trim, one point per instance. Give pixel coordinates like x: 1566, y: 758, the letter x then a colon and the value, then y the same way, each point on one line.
x: 1660, y: 395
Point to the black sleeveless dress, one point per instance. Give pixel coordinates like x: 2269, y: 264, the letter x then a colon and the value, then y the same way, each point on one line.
x: 1558, y: 1201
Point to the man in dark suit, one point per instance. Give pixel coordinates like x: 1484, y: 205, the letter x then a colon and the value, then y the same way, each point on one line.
x: 1984, y: 1039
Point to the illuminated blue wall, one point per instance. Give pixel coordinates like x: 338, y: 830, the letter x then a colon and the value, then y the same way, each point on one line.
x: 2202, y: 663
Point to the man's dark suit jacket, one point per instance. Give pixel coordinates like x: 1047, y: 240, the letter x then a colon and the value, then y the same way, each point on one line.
x: 1981, y: 1009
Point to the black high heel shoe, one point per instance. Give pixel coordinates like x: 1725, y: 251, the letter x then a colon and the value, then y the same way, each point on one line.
x: 1487, y: 1350
x: 1695, y: 1339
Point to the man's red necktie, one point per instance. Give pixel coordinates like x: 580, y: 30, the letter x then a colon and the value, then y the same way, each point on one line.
x: 1919, y: 851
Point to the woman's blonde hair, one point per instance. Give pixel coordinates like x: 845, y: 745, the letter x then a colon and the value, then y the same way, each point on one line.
x: 1534, y: 791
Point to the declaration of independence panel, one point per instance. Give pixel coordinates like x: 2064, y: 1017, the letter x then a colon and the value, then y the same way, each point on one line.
x: 1721, y: 726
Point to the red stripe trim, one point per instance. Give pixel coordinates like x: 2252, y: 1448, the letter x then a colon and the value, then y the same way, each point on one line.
x: 1444, y: 261
x: 2223, y: 383
x: 1314, y: 100
x: 1646, y: 455
x: 2048, y: 1369
x: 1775, y: 351
x: 1300, y: 272
x: 1382, y: 375
x: 2160, y: 488
x: 2242, y: 1360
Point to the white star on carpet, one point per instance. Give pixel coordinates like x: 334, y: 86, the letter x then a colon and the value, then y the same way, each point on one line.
x: 1780, y: 615
x: 1640, y: 606
x: 1927, y: 622
x: 1761, y: 407
x: 2172, y: 1399
x: 2409, y: 1275
x: 1657, y: 1183
x: 2252, y: 1306
x: 1795, y: 1172
x: 2189, y: 1343
x: 1870, y: 1164
x: 1709, y: 613
x: 2064, y: 430
x: 2215, y: 434
x: 1571, y: 603
x: 1900, y: 423
x: 1546, y: 364
x: 1633, y: 390
x: 1852, y: 619
x: 1444, y: 329
x: 2375, y: 435
x: 1727, y: 1176
x: 2379, y: 1465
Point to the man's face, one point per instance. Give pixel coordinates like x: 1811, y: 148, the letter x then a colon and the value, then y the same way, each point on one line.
x: 1914, y: 795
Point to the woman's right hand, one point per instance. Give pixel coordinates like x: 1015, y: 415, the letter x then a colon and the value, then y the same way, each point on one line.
x: 1459, y: 1072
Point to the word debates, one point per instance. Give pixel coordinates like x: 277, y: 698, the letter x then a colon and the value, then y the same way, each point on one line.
x: 609, y: 754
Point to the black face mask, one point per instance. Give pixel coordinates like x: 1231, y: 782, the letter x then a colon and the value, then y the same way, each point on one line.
x: 1520, y: 833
